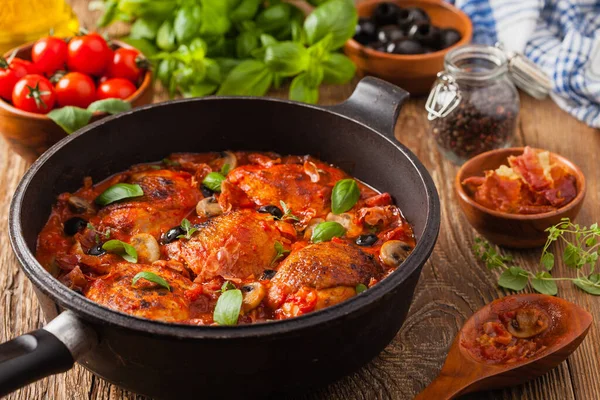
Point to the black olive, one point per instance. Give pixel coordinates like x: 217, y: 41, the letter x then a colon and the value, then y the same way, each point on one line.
x: 206, y: 192
x: 386, y: 13
x: 449, y: 37
x: 365, y: 31
x: 172, y: 234
x: 405, y: 46
x: 366, y: 240
x: 268, y: 274
x: 389, y: 33
x: 426, y: 34
x: 405, y: 19
x: 74, y: 225
x: 273, y: 210
x: 378, y: 46
x: 247, y: 288
x: 97, y: 250
x: 418, y: 14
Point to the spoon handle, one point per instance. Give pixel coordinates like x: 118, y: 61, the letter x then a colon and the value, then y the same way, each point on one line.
x: 443, y: 387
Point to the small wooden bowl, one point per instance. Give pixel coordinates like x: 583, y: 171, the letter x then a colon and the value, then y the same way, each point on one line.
x: 415, y: 73
x: 513, y: 230
x: 30, y: 134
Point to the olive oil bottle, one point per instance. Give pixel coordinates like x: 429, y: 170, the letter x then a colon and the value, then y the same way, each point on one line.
x: 24, y: 21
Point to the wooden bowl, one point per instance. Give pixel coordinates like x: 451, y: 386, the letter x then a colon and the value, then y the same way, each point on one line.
x: 414, y: 73
x: 513, y: 230
x: 30, y: 134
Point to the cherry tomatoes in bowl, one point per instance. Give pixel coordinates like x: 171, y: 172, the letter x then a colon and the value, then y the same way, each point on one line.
x: 10, y: 75
x: 34, y: 93
x: 118, y: 88
x: 128, y: 64
x: 49, y: 54
x: 75, y: 89
x: 88, y: 54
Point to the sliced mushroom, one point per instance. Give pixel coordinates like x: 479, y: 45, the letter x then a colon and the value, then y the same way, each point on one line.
x: 528, y: 322
x: 347, y: 221
x: 253, y: 294
x: 312, y: 171
x: 208, y: 207
x: 311, y: 225
x: 146, y: 247
x: 394, y: 252
x: 229, y: 158
x: 80, y: 206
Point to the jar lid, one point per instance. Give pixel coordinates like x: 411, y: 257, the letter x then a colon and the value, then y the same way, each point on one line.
x: 526, y: 75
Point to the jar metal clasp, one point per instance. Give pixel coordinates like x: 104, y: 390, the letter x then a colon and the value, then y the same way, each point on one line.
x: 443, y: 98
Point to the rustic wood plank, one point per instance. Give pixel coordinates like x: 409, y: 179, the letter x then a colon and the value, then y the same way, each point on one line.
x: 452, y: 286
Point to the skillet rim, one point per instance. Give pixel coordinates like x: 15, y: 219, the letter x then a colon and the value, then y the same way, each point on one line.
x: 96, y: 313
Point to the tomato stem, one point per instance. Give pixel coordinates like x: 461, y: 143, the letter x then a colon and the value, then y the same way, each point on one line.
x: 37, y: 94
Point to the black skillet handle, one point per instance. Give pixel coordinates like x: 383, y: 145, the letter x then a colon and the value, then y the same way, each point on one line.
x: 44, y: 352
x: 375, y: 103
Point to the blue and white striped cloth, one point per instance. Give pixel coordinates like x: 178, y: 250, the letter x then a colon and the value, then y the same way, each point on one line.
x: 560, y: 36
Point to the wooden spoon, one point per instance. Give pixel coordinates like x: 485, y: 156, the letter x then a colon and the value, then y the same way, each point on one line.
x: 463, y: 372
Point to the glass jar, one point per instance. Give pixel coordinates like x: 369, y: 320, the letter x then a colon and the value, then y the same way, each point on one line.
x: 474, y: 105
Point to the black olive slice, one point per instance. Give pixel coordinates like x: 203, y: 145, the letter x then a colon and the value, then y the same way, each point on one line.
x: 273, y: 210
x: 366, y: 240
x: 74, y: 225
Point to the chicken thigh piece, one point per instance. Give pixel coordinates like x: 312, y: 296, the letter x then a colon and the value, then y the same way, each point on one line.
x: 144, y: 299
x: 234, y: 245
x: 333, y: 269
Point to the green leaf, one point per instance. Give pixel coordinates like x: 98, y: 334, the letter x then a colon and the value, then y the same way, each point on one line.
x: 123, y: 249
x: 344, y: 196
x: 571, y: 256
x: 544, y: 286
x: 187, y: 23
x: 250, y: 78
x: 200, y: 89
x: 361, y: 287
x: 225, y: 169
x: 227, y: 285
x: 246, y: 10
x: 338, y: 69
x: 274, y: 18
x: 245, y: 43
x: 326, y: 231
x: 227, y: 310
x: 165, y: 37
x: 548, y: 261
x: 338, y: 17
x: 109, y: 15
x: 213, y: 181
x: 590, y: 285
x: 143, y: 45
x: 154, y: 9
x: 513, y: 278
x: 280, y: 251
x: 286, y: 58
x: 214, y: 17
x: 287, y: 213
x: 144, y: 28
x: 118, y: 192
x: 70, y: 118
x: 226, y: 65
x: 111, y: 106
x: 301, y: 91
x: 267, y: 40
x: 591, y: 241
x: 152, y: 277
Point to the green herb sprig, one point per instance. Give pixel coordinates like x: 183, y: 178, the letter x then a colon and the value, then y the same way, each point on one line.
x: 151, y: 277
x: 186, y: 225
x: 287, y: 213
x: 280, y: 252
x: 581, y: 251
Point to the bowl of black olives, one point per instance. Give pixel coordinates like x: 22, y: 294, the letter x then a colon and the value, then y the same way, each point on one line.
x: 405, y: 41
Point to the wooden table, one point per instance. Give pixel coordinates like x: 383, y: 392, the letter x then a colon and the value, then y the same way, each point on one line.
x: 452, y: 286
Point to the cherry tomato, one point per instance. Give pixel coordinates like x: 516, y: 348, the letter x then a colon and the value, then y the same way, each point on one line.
x: 128, y: 64
x: 75, y: 89
x: 34, y: 93
x: 118, y: 88
x: 49, y: 54
x: 89, y: 54
x: 9, y: 76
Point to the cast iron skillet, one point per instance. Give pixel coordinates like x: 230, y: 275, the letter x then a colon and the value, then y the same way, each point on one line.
x: 178, y: 361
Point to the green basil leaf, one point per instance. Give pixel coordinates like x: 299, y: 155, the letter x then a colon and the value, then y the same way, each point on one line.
x: 145, y: 46
x: 200, y: 89
x: 227, y: 310
x: 267, y: 40
x: 111, y: 106
x: 361, y: 287
x: 245, y: 43
x: 187, y: 22
x: 123, y: 249
x: 226, y: 65
x: 153, y: 9
x: 548, y: 261
x: 250, y: 78
x: 314, y: 75
x: 320, y: 50
x: 213, y: 181
x: 338, y: 69
x: 118, y: 192
x: 513, y: 278
x: 70, y: 118
x: 274, y: 18
x: 338, y: 17
x: 326, y: 231
x: 590, y: 285
x: 544, y: 286
x: 144, y: 28
x: 301, y: 91
x: 286, y: 58
x: 165, y: 37
x: 344, y: 196
x: 225, y: 169
x: 109, y: 15
x: 298, y: 34
x: 165, y: 70
x: 246, y: 10
x: 214, y: 17
x: 152, y: 277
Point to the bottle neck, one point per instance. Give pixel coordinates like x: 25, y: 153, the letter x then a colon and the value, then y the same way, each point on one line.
x: 476, y: 64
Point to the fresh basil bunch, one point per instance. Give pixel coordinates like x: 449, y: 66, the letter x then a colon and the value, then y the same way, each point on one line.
x: 240, y: 47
